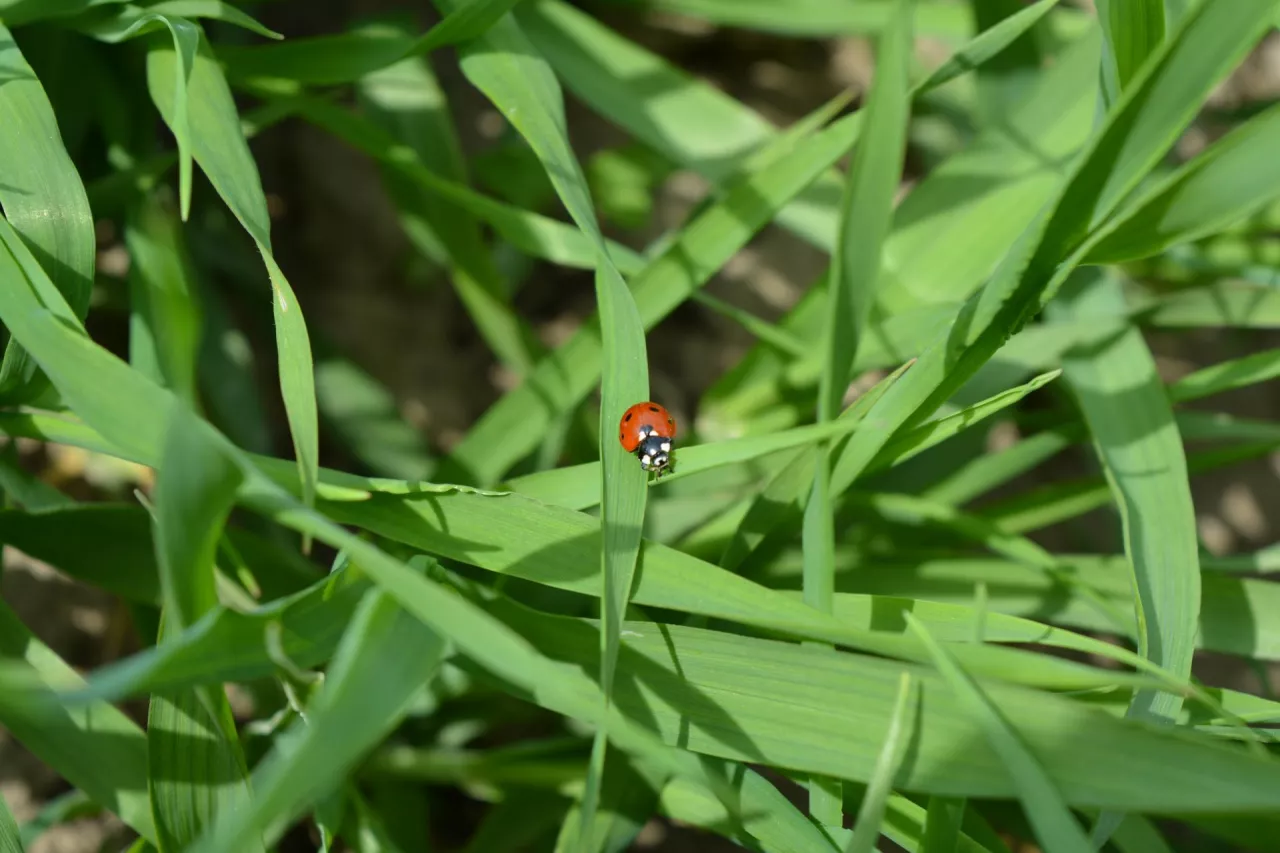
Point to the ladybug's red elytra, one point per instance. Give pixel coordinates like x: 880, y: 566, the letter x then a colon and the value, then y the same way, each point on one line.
x: 648, y: 430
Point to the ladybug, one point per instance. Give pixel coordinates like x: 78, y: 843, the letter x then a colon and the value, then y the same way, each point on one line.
x: 647, y: 430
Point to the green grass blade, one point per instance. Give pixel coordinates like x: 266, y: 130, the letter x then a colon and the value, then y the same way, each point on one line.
x: 466, y: 21
x: 865, y: 214
x: 1137, y: 132
x: 1055, y: 828
x: 1226, y: 376
x: 385, y: 656
x: 866, y: 828
x: 1231, y: 179
x: 10, y: 842
x: 1134, y: 29
x: 186, y: 45
x: 219, y: 146
x: 95, y: 747
x: 42, y: 198
x: 768, y: 816
x: 1117, y: 385
x: 512, y: 427
x: 406, y: 101
x: 214, y: 10
x: 161, y: 279
x: 24, y: 488
x: 366, y: 416
x: 942, y: 826
x: 988, y: 44
x: 197, y: 767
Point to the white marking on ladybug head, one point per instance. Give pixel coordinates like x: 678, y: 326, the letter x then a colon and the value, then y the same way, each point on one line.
x: 646, y: 460
x: 660, y: 460
x: 666, y: 447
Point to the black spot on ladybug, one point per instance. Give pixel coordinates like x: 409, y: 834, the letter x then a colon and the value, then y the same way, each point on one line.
x: 627, y: 416
x: 653, y: 408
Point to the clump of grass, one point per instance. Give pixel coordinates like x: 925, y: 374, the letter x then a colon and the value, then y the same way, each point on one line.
x: 825, y: 591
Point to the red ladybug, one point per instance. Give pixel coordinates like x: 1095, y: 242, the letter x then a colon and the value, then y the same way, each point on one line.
x: 648, y: 430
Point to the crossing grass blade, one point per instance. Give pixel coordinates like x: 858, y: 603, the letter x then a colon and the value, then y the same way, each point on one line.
x: 1232, y: 178
x: 897, y: 739
x: 42, y: 198
x: 219, y: 146
x: 10, y: 842
x: 406, y: 101
x: 385, y: 656
x: 511, y: 428
x: 502, y: 64
x: 1136, y: 133
x: 1055, y: 828
x: 1133, y: 30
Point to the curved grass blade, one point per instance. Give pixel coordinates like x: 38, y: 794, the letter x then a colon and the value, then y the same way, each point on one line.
x: 1134, y: 29
x: 43, y: 199
x: 385, y: 656
x: 214, y: 10
x: 219, y: 146
x: 1054, y: 826
x: 186, y: 44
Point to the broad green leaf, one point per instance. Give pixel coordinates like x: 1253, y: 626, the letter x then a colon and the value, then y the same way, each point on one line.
x: 219, y: 146
x: 897, y: 738
x: 816, y: 18
x: 42, y: 197
x: 14, y: 12
x: 95, y: 747
x: 1055, y: 828
x: 385, y: 656
x: 1232, y: 178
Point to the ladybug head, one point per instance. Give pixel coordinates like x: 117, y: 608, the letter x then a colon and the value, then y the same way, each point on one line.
x: 655, y: 452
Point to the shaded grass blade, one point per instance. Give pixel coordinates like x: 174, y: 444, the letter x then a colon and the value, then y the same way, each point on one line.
x: 1134, y: 29
x: 43, y: 199
x: 1054, y: 826
x: 866, y: 828
x: 385, y: 656
x: 9, y: 839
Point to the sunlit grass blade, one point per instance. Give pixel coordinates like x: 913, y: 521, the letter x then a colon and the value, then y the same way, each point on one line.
x: 1232, y: 178
x: 385, y: 656
x: 897, y: 739
x: 1227, y: 376
x: 987, y: 45
x: 219, y: 146
x: 95, y: 747
x: 43, y: 199
x: 1054, y: 825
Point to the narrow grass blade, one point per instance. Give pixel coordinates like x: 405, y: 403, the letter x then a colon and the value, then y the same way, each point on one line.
x: 367, y: 418
x: 1232, y: 178
x: 385, y: 656
x: 213, y: 10
x: 865, y: 214
x: 22, y: 487
x: 406, y: 101
x: 1055, y: 828
x: 1134, y: 29
x: 466, y: 20
x: 9, y: 840
x: 219, y: 146
x: 942, y: 826
x: 197, y: 768
x: 1137, y: 132
x: 990, y: 43
x: 628, y: 798
x: 512, y: 427
x: 186, y: 45
x: 161, y: 278
x: 897, y: 739
x: 95, y: 747
x: 1226, y: 376
x: 43, y: 199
